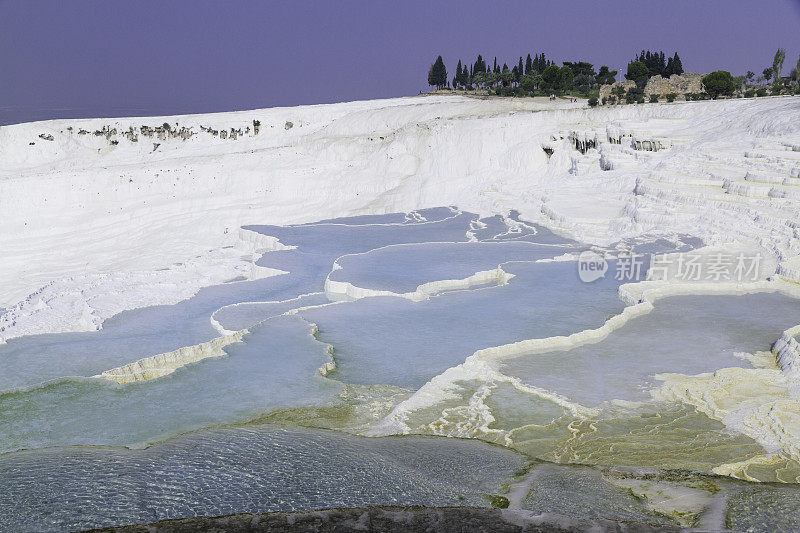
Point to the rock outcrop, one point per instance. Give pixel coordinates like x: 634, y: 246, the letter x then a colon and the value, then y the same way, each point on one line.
x: 679, y: 84
x: 390, y: 519
x: 607, y: 90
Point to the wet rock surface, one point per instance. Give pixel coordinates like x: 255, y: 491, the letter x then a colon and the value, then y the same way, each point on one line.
x: 407, y: 519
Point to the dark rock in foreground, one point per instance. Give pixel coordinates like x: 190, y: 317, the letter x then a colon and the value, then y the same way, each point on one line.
x: 392, y: 518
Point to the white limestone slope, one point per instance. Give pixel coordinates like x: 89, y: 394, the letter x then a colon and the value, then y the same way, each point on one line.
x: 83, y: 302
x: 85, y: 210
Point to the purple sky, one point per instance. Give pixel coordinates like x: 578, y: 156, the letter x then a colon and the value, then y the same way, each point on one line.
x: 104, y: 58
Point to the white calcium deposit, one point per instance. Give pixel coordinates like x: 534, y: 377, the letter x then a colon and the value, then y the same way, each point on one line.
x: 166, y: 363
x: 102, y: 211
x: 103, y: 218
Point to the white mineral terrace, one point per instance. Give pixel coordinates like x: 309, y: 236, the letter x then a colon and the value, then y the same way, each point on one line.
x: 81, y: 206
x: 103, y: 217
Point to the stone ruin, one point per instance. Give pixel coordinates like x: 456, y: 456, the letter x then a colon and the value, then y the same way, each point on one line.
x: 680, y: 84
x: 607, y: 90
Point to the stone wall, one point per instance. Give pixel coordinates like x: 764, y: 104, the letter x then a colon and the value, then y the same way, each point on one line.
x: 606, y: 90
x: 680, y: 84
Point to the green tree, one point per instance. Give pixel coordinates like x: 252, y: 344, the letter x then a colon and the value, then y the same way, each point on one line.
x: 638, y: 72
x: 635, y: 94
x: 565, y: 78
x: 719, y: 82
x: 550, y: 77
x: 528, y: 65
x: 677, y: 66
x: 479, y: 78
x: 437, y: 74
x: 583, y: 82
x: 507, y: 77
x: 581, y: 68
x: 492, y: 78
x: 768, y: 73
x: 777, y: 63
x: 797, y: 71
x: 606, y: 76
x: 528, y: 83
x: 480, y: 65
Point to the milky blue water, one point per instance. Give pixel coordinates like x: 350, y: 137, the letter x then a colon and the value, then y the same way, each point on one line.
x: 49, y: 398
x: 384, y: 349
x: 275, y: 367
x: 139, y: 333
x: 256, y: 468
x: 402, y: 268
x: 683, y: 334
x: 393, y: 340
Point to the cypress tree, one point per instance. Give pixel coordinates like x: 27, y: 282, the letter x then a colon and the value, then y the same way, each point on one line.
x: 519, y: 68
x: 677, y: 66
x: 494, y: 68
x: 438, y: 74
x: 528, y: 65
x: 458, y: 79
x: 777, y: 63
